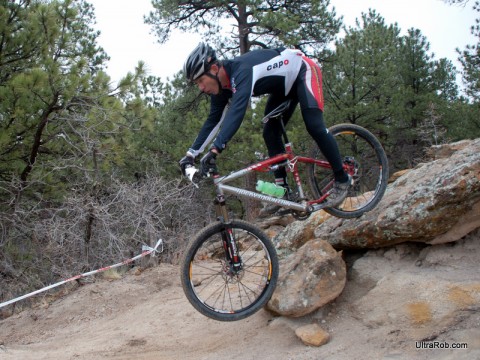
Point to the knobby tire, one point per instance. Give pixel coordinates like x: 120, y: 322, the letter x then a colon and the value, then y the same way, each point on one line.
x: 208, y: 282
x: 370, y: 176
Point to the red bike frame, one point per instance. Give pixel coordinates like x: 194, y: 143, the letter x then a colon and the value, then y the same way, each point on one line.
x: 290, y: 161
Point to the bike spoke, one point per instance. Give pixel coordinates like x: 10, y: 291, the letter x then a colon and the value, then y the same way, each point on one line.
x: 220, y: 287
x: 364, y: 159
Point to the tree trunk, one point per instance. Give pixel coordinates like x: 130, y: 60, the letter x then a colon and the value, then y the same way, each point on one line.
x: 37, y: 142
x: 243, y: 29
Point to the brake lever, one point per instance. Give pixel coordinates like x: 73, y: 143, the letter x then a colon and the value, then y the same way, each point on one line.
x: 190, y: 172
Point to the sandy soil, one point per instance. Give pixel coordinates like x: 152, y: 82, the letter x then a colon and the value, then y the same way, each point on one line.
x: 145, y: 315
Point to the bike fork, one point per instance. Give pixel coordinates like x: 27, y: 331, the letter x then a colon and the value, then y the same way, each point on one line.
x: 228, y: 238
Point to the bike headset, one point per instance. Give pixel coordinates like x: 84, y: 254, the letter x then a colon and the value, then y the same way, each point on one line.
x: 199, y: 62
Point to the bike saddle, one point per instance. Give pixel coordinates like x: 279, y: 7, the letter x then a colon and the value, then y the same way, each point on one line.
x: 280, y: 109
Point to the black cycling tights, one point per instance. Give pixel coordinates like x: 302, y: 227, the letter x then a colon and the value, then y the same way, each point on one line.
x: 272, y: 134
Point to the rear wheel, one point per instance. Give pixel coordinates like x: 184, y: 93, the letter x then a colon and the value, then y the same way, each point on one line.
x: 219, y: 290
x: 364, y: 159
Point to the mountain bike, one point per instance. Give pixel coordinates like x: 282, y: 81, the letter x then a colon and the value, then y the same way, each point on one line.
x: 230, y: 269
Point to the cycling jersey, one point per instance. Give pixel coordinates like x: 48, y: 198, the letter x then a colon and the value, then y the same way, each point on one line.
x: 258, y: 72
x: 283, y: 74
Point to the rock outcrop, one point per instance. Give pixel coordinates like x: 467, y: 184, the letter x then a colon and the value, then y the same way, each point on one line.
x: 436, y: 202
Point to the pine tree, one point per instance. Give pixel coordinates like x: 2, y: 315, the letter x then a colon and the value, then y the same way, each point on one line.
x: 53, y: 72
x: 361, y: 80
x: 307, y: 25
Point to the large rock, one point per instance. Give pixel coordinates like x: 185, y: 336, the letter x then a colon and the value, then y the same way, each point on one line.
x: 436, y: 202
x: 297, y: 233
x: 309, y: 278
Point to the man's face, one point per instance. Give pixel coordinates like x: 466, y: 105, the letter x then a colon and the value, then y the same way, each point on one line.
x: 207, y: 84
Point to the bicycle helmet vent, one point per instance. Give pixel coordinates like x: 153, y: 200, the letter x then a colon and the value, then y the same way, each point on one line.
x: 199, y: 61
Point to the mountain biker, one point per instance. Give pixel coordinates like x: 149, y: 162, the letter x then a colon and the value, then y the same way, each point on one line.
x: 283, y: 74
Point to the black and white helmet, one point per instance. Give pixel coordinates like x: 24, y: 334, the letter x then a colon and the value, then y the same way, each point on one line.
x: 199, y: 61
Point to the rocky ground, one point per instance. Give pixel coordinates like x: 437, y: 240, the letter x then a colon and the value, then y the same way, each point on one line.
x: 396, y: 302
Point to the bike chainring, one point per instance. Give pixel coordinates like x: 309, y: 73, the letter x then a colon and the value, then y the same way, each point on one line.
x: 300, y: 215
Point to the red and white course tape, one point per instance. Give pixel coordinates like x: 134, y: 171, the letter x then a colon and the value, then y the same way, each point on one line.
x: 146, y: 250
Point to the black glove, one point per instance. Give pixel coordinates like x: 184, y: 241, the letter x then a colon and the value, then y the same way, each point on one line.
x: 186, y: 161
x: 208, y: 163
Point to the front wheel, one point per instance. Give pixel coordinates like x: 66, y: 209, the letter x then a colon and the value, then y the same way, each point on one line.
x: 364, y: 159
x: 214, y: 286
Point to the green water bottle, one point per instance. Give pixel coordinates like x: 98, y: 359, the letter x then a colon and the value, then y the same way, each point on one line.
x: 270, y: 189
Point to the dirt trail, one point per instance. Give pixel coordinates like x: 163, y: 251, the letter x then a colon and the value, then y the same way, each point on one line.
x: 147, y: 316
